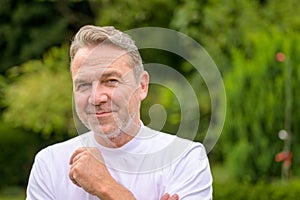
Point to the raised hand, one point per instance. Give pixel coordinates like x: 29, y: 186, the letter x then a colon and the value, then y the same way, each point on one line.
x: 87, y: 170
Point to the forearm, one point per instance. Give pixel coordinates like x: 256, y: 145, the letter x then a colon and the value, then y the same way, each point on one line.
x: 114, y: 191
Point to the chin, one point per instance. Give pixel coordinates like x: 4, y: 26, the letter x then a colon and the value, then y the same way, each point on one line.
x: 105, y: 131
x: 108, y: 135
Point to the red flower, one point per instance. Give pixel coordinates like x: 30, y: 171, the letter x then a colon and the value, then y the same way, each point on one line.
x: 280, y: 57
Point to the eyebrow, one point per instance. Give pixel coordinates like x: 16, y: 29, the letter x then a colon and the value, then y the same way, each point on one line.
x: 110, y: 74
x: 79, y: 81
x: 103, y: 76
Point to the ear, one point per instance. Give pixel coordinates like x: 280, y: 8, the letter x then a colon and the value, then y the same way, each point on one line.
x: 144, y: 83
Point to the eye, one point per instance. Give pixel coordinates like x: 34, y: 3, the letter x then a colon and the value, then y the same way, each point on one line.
x: 83, y: 86
x: 111, y: 82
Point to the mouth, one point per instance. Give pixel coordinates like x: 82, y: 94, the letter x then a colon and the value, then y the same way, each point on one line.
x: 101, y: 113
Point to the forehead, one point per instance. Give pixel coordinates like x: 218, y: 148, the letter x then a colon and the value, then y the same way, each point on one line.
x: 99, y: 58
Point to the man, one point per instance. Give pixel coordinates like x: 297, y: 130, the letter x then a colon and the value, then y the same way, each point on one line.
x: 119, y: 158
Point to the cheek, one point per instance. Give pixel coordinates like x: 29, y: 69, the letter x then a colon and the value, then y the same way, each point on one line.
x: 124, y: 95
x: 125, y: 99
x: 119, y: 95
x: 134, y: 102
x: 81, y: 101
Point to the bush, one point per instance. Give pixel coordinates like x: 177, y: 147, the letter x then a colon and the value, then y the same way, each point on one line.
x: 16, y: 156
x: 260, y: 191
x: 262, y: 99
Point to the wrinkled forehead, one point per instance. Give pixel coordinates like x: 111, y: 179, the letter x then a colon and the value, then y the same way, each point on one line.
x: 98, y: 57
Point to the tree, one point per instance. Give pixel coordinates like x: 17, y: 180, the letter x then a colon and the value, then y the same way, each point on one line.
x: 39, y: 97
x: 257, y: 99
x: 28, y: 28
x: 243, y: 38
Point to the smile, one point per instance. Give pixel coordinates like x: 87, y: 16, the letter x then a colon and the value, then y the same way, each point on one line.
x: 101, y: 113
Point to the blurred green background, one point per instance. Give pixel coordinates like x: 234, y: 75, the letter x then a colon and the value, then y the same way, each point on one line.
x: 254, y: 43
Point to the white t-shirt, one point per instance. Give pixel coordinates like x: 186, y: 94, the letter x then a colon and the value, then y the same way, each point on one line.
x: 150, y: 165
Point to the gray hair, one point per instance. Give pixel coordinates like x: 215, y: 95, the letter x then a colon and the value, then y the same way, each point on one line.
x: 90, y: 35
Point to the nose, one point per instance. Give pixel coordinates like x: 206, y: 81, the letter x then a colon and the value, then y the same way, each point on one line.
x: 98, y: 95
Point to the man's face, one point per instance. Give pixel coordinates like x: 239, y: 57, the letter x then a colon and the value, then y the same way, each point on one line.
x: 107, y: 94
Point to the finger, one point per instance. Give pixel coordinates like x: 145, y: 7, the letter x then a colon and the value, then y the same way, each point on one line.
x: 72, y: 178
x: 78, y: 157
x: 78, y: 151
x: 165, y: 197
x: 174, y: 197
x: 96, y: 153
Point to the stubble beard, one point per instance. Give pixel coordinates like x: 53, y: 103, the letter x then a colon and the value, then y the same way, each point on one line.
x: 118, y: 126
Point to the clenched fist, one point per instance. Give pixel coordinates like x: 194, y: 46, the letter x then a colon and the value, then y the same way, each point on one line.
x: 88, y: 170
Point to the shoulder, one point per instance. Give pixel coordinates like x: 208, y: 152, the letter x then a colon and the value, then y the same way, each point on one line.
x: 175, y: 143
x: 188, y: 152
x: 164, y: 141
x: 174, y: 150
x: 59, y: 150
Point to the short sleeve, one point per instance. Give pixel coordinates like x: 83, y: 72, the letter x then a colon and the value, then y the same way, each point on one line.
x: 40, y: 183
x: 191, y: 177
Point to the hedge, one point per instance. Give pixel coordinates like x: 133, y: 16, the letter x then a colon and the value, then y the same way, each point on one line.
x: 16, y: 156
x: 261, y: 191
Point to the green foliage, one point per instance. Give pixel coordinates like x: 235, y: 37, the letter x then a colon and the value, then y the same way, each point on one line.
x: 40, y: 96
x: 260, y: 191
x: 130, y: 14
x: 29, y: 28
x: 22, y: 29
x: 256, y: 101
x: 16, y: 156
x: 217, y: 25
x: 13, y: 197
x: 243, y: 38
